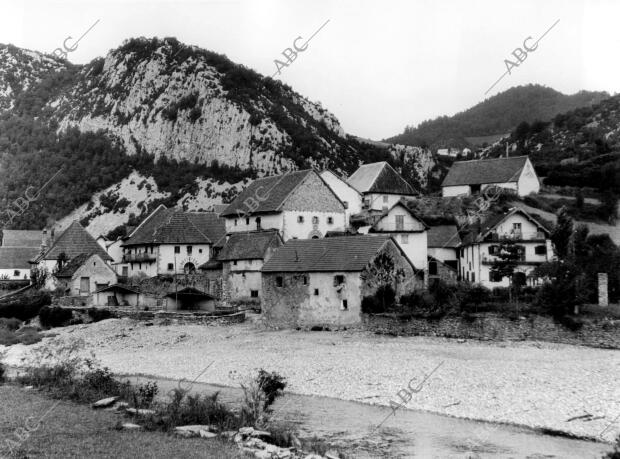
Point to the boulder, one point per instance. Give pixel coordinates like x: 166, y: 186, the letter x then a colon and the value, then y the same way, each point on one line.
x: 203, y: 431
x: 331, y: 454
x: 246, y: 431
x: 130, y: 426
x: 105, y: 402
x: 260, y: 433
x: 140, y: 411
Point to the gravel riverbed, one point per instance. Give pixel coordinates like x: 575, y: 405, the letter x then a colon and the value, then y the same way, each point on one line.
x: 528, y: 383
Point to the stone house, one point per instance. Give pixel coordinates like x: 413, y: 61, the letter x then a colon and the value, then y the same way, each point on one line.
x: 380, y: 185
x: 321, y: 282
x: 243, y: 257
x: 300, y: 205
x: 171, y: 241
x: 351, y: 198
x: 85, y: 274
x: 480, y: 247
x: 73, y: 241
x: 472, y: 177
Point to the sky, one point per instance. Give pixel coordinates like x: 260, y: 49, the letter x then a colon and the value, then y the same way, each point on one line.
x: 377, y: 65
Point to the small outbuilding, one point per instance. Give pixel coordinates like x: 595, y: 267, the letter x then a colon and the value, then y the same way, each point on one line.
x: 190, y: 299
x: 84, y: 274
x: 126, y: 295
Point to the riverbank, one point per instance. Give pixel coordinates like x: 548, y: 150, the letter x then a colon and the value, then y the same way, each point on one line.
x: 540, y: 385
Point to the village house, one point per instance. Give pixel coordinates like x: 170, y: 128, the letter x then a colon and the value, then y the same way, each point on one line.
x: 171, y: 241
x: 380, y: 185
x: 351, y: 198
x: 443, y: 244
x: 114, y: 248
x: 242, y: 259
x: 74, y: 241
x: 17, y: 248
x: 480, y: 248
x: 472, y: 177
x: 84, y: 274
x: 127, y: 295
x: 321, y: 282
x: 300, y: 205
x: 407, y: 229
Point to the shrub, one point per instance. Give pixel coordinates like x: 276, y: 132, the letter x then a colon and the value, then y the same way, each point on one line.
x: 615, y: 454
x: 11, y: 324
x: 370, y: 305
x: 99, y: 314
x: 25, y: 305
x: 473, y: 296
x: 418, y: 301
x: 272, y: 384
x: 55, y: 316
x: 2, y: 373
x: 26, y: 336
x: 571, y: 322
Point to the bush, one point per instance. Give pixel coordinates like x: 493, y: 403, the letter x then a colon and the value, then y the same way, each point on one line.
x: 2, y: 373
x: 571, y: 322
x: 472, y: 296
x: 382, y: 300
x: 418, y: 301
x: 26, y: 336
x: 55, y: 316
x: 370, y: 305
x: 272, y: 384
x: 615, y: 454
x: 11, y: 324
x: 25, y: 305
x: 99, y: 314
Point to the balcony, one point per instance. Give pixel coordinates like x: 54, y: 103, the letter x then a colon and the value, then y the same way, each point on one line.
x: 139, y: 257
x: 516, y: 236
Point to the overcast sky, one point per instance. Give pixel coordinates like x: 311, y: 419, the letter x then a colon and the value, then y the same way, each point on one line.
x: 377, y: 65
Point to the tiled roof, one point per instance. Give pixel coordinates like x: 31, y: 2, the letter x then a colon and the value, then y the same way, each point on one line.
x: 249, y: 246
x: 477, y: 172
x: 379, y: 178
x: 17, y: 257
x: 70, y: 268
x: 347, y: 253
x: 21, y: 238
x: 443, y: 236
x: 477, y: 232
x: 269, y: 192
x: 172, y: 226
x: 72, y: 242
x: 211, y: 225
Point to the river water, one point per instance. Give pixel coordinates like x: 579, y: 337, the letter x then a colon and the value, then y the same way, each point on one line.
x: 353, y: 427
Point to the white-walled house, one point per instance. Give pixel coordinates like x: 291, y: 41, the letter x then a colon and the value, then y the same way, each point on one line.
x: 408, y: 230
x: 17, y: 248
x: 351, y: 198
x: 481, y: 246
x: 171, y: 241
x: 380, y: 185
x: 74, y: 241
x: 300, y: 205
x: 472, y: 177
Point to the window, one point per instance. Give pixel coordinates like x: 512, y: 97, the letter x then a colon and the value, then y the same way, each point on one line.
x: 404, y: 239
x: 253, y: 293
x: 199, y: 250
x: 258, y: 220
x: 385, y: 199
x: 177, y: 249
x: 170, y: 267
x: 235, y: 262
x: 330, y: 220
x: 400, y: 222
x: 235, y: 222
x: 305, y: 279
x: 516, y: 226
x: 189, y: 249
x: 316, y: 292
x: 346, y: 204
x: 279, y: 281
x: 16, y: 272
x: 140, y: 266
x: 300, y: 219
x: 432, y: 268
x: 493, y: 249
x: 521, y: 252
x: 540, y: 250
x: 345, y: 305
x: 473, y: 277
x: 339, y: 279
x: 315, y: 220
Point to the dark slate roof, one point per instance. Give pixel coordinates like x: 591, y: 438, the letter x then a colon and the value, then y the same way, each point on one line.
x: 74, y: 241
x: 379, y: 178
x: 252, y: 245
x: 211, y: 225
x: 211, y: 264
x: 22, y: 238
x: 17, y: 257
x: 274, y: 190
x: 443, y: 236
x: 189, y: 292
x: 477, y: 172
x: 173, y: 226
x: 70, y: 268
x: 347, y: 253
x: 479, y: 231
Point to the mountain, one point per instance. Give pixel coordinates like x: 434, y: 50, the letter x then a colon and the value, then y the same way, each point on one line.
x: 495, y: 116
x: 158, y: 121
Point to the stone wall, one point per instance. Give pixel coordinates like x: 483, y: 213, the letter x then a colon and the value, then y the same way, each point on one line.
x: 600, y: 333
